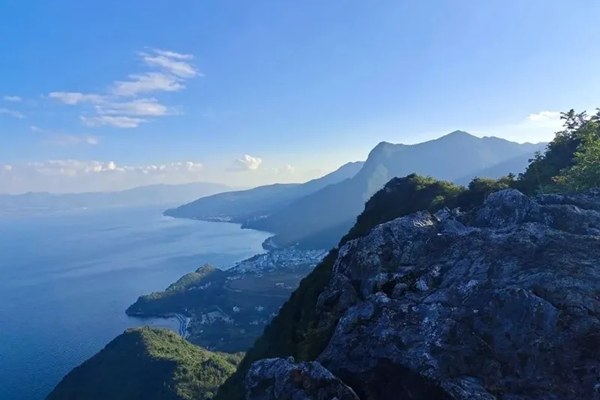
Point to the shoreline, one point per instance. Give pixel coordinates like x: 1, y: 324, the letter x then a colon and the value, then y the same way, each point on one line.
x: 183, y: 320
x: 213, y: 306
x: 267, y: 244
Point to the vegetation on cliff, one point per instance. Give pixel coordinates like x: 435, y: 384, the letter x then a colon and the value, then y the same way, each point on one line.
x: 570, y: 162
x: 150, y: 364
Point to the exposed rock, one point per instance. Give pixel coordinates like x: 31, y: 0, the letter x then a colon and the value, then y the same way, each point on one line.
x: 499, y: 303
x: 281, y: 379
x: 502, y: 302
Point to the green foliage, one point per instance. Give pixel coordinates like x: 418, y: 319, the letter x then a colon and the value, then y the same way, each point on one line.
x: 559, y: 157
x: 585, y: 171
x: 480, y: 188
x: 150, y: 364
x: 403, y: 196
x: 192, y: 279
x: 170, y: 301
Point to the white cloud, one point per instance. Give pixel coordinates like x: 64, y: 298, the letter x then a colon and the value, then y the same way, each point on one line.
x: 172, y: 69
x: 14, y: 99
x: 68, y: 167
x: 139, y: 107
x: 247, y: 163
x: 172, y: 54
x: 73, y: 175
x: 117, y: 122
x: 534, y: 128
x: 78, y: 167
x: 285, y: 170
x: 173, y: 66
x: 544, y: 116
x: 35, y: 128
x: 71, y: 140
x: 187, y: 166
x: 145, y: 83
x: 12, y: 113
x: 72, y: 98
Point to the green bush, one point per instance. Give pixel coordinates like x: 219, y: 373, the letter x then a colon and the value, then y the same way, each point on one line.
x: 573, y: 146
x: 584, y: 173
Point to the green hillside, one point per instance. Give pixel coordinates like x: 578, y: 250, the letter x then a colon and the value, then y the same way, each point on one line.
x: 149, y: 364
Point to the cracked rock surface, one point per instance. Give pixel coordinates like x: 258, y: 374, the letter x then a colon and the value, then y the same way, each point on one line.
x: 502, y: 302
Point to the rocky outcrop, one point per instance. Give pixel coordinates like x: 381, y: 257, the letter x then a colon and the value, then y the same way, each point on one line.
x: 281, y: 379
x: 502, y: 302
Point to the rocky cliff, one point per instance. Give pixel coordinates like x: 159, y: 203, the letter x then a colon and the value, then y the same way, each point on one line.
x: 502, y: 302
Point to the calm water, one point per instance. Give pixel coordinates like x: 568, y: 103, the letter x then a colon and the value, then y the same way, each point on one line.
x: 65, y: 282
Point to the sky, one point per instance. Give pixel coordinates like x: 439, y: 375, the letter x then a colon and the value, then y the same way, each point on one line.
x: 107, y: 95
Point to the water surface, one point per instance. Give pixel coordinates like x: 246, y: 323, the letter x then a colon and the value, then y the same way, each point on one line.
x: 66, y: 280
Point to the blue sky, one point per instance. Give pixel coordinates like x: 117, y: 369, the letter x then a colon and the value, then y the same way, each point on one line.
x: 109, y: 94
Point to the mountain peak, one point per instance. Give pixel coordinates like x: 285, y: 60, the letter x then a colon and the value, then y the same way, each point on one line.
x: 458, y: 134
x: 382, y: 148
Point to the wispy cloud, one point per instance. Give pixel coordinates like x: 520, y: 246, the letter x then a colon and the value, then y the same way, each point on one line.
x: 73, y: 175
x: 63, y: 139
x: 173, y: 65
x: 172, y: 54
x: 146, y: 83
x: 72, y: 98
x: 544, y: 116
x: 286, y: 169
x: 71, y: 140
x: 116, y: 121
x: 246, y: 163
x: 14, y: 99
x: 74, y: 167
x: 12, y: 113
x: 537, y: 127
x: 171, y: 70
x: 139, y: 107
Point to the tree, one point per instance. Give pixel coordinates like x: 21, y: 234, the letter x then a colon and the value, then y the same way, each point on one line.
x: 585, y: 171
x: 545, y: 168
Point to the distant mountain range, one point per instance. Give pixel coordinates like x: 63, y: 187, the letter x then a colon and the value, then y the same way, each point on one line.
x: 253, y: 204
x: 36, y: 203
x: 318, y: 215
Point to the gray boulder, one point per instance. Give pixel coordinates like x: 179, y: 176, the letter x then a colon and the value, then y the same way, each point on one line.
x: 283, y: 379
x: 499, y: 303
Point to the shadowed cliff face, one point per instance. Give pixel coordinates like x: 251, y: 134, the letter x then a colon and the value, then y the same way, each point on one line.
x: 501, y: 302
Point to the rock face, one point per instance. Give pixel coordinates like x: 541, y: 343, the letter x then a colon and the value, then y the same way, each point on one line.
x: 281, y: 379
x: 499, y: 303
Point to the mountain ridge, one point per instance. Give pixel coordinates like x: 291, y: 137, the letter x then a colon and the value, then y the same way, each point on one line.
x: 452, y: 157
x: 159, y: 194
x: 260, y: 201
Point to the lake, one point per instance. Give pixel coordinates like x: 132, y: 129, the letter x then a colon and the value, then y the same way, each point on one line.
x: 66, y: 280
